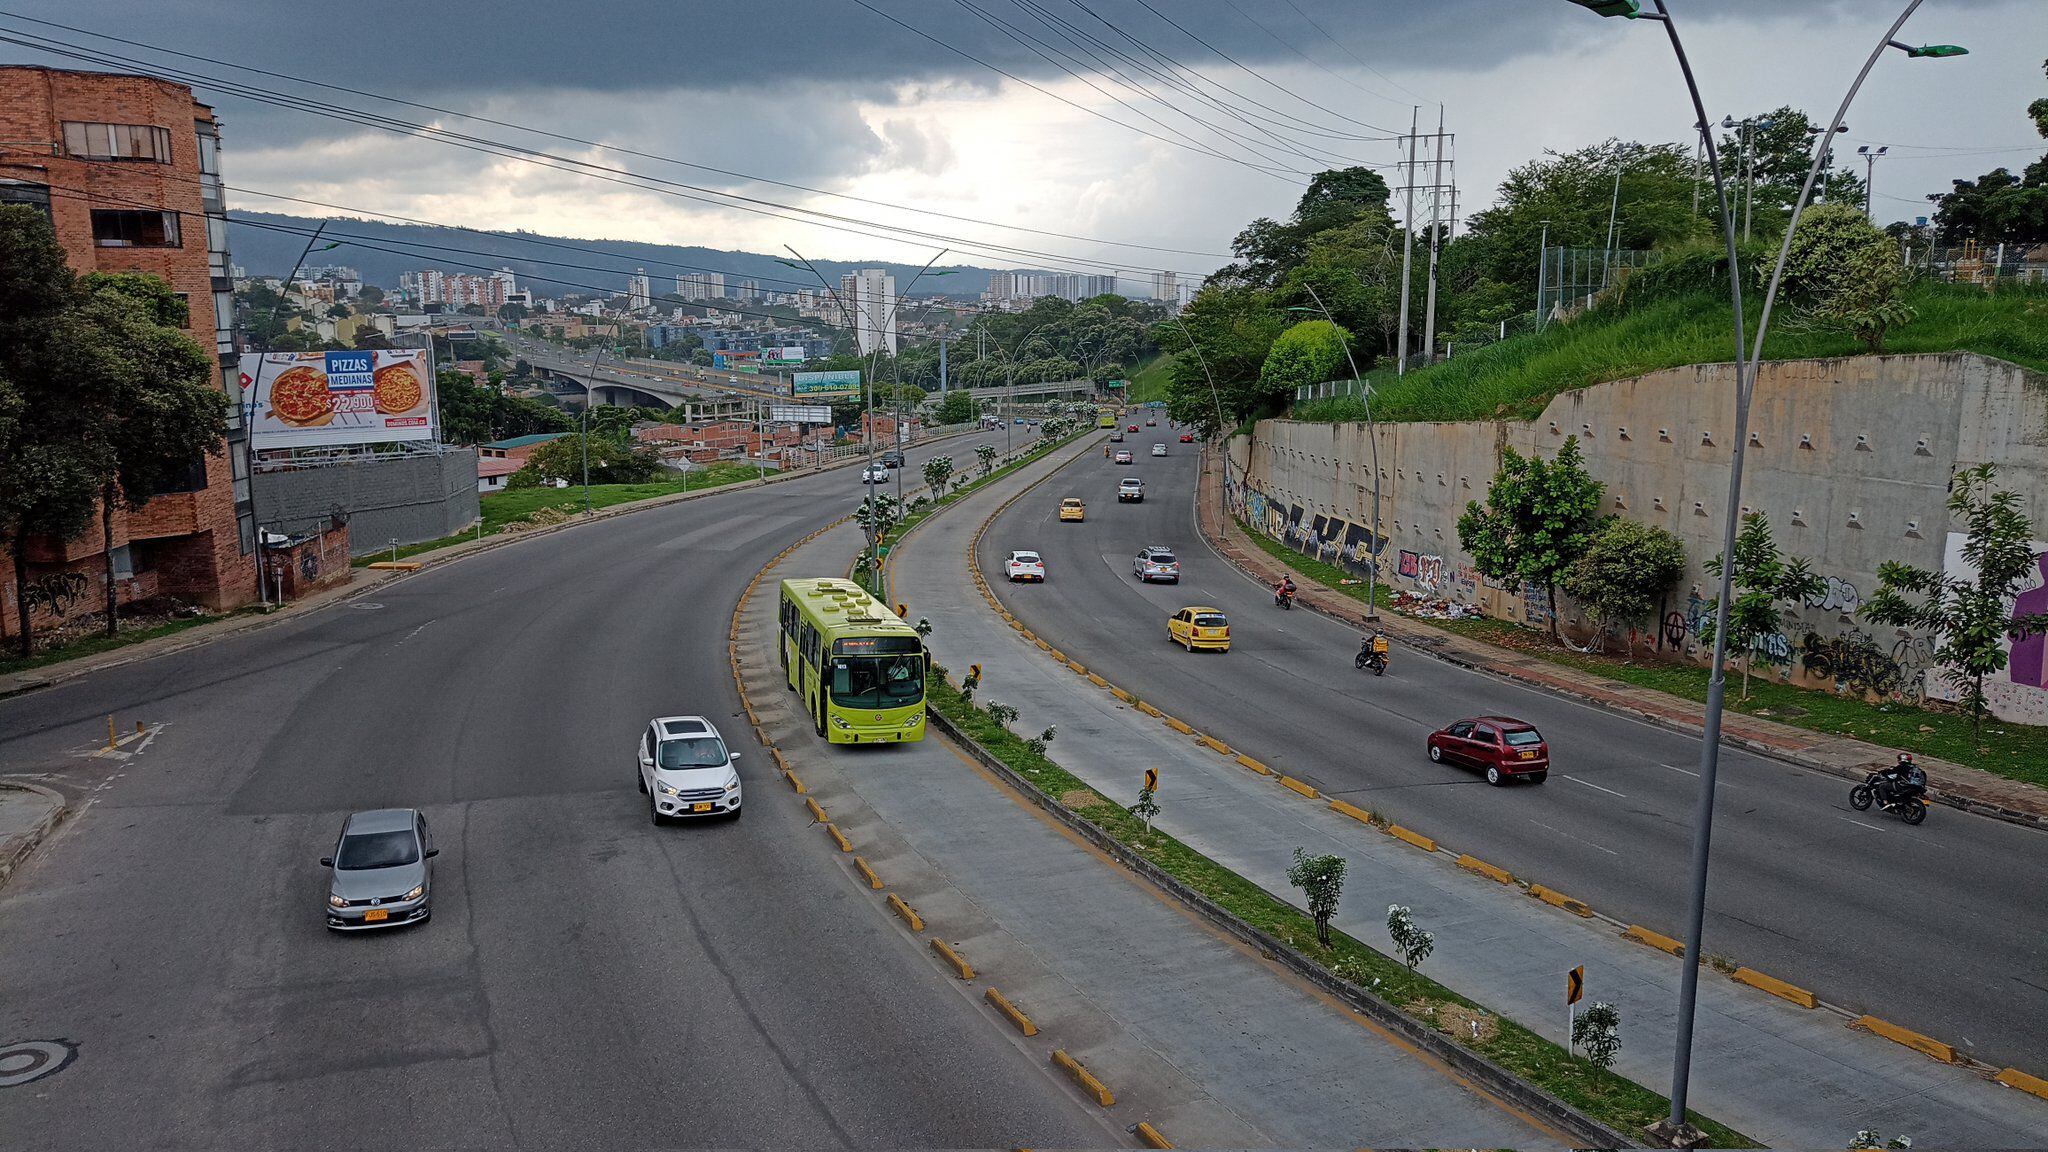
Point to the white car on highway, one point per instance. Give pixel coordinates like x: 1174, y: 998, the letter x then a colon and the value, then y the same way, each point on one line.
x: 1159, y: 448
x: 686, y: 770
x: 1156, y: 563
x: 1022, y: 566
x: 878, y: 474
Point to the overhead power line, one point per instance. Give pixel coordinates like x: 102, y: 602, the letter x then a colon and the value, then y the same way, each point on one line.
x: 617, y: 148
x: 626, y: 177
x: 1355, y: 58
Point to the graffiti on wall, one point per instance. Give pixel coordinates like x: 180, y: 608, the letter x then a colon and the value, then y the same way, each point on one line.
x: 1429, y: 574
x: 1331, y: 539
x: 55, y: 592
x: 1852, y: 660
x: 1838, y: 595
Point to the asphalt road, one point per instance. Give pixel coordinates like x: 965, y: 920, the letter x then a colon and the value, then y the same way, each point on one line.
x: 587, y: 980
x: 1940, y: 927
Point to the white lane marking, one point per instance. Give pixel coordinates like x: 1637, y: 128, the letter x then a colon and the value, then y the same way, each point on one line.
x: 1593, y: 786
x: 1861, y: 824
x: 1718, y: 782
x: 1580, y: 839
x: 414, y: 632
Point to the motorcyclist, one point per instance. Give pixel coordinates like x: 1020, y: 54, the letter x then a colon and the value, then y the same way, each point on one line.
x: 1284, y: 590
x: 1903, y: 782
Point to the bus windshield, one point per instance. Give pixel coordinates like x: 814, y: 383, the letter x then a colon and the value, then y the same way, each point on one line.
x: 877, y: 681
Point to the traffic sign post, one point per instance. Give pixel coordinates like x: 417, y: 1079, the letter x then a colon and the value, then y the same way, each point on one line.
x: 1574, y: 991
x: 1151, y: 779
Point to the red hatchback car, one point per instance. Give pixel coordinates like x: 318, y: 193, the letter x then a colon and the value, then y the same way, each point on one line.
x: 1501, y: 746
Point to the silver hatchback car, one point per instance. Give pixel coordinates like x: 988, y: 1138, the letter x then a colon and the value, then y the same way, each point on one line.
x: 381, y: 874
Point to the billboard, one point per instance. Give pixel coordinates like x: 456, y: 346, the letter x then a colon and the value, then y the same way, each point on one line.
x: 320, y: 399
x: 800, y: 413
x: 785, y: 356
x: 823, y: 384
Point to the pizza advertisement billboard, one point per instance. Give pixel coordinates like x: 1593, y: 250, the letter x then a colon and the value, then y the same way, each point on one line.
x: 323, y: 399
x: 819, y: 385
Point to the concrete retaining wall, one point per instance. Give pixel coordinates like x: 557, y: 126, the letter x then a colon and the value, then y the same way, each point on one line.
x: 1850, y: 459
x: 411, y: 499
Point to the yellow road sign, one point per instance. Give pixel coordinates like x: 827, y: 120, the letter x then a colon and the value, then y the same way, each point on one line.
x: 1151, y: 779
x: 1575, y: 985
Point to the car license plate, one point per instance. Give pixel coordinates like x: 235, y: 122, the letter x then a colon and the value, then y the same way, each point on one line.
x: 376, y: 914
x: 701, y: 806
x: 1528, y: 755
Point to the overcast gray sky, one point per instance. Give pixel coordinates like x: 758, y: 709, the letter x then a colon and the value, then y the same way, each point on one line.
x: 879, y: 99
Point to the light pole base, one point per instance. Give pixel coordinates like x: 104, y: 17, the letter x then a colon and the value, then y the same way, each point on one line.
x: 1682, y: 1136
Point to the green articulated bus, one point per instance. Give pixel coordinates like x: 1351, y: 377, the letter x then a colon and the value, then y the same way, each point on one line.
x: 858, y: 667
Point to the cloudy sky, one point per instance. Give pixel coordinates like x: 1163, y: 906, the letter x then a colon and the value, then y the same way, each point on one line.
x: 1085, y: 133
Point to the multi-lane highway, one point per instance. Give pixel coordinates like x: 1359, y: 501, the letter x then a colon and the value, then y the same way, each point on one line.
x: 587, y: 980
x: 1940, y: 927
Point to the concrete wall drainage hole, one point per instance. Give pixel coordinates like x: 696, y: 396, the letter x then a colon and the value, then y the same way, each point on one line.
x: 26, y: 1060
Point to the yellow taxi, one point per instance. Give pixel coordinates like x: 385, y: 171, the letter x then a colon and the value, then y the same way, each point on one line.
x: 1072, y: 509
x: 1200, y: 627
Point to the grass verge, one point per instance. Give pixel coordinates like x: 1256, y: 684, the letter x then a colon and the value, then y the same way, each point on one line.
x: 1612, y: 1099
x: 1150, y: 381
x: 100, y: 642
x: 1516, y: 377
x: 502, y: 508
x: 2014, y: 751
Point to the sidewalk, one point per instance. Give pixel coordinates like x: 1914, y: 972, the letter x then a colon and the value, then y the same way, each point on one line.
x: 28, y: 814
x: 1965, y: 787
x: 1195, y: 1034
x: 1789, y: 1076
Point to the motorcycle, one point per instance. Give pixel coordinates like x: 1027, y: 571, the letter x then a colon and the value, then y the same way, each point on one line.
x: 1912, y: 810
x: 1367, y: 658
x: 1283, y: 598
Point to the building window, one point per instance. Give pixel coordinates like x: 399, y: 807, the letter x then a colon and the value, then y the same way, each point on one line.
x: 245, y: 531
x: 189, y: 478
x: 22, y: 192
x: 117, y: 141
x: 121, y: 228
x: 124, y: 563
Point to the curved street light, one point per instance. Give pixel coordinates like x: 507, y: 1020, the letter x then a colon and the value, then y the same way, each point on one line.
x: 1372, y: 569
x: 1674, y: 1128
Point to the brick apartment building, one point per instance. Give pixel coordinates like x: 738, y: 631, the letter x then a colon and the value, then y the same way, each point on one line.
x: 127, y: 168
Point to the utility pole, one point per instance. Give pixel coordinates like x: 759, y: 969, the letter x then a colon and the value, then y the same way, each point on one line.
x: 1436, y: 205
x: 1407, y: 240
x: 1870, y: 156
x: 1542, y: 267
x: 1613, y: 206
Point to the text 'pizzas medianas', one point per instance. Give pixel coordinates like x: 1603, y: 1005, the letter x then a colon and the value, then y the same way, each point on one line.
x: 398, y: 389
x: 299, y: 397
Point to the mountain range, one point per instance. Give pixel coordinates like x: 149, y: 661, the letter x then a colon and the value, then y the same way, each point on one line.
x: 267, y: 244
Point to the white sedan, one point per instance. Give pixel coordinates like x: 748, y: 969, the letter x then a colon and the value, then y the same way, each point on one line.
x: 879, y: 474
x: 1022, y: 566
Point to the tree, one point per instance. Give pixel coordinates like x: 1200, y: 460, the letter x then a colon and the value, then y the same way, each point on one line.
x: 472, y: 413
x: 562, y: 459
x: 1976, y: 621
x: 1597, y: 1031
x: 1624, y: 572
x: 1538, y: 519
x: 1415, y: 944
x: 1266, y: 251
x: 1763, y: 578
x: 155, y: 406
x: 1308, y: 353
x: 986, y: 454
x: 936, y: 470
x: 1321, y: 880
x: 1781, y: 152
x: 1574, y: 191
x: 512, y: 313
x: 370, y: 296
x: 957, y: 407
x: 1233, y: 327
x: 1869, y: 297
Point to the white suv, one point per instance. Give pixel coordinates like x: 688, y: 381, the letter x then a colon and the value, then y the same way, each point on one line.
x: 686, y: 770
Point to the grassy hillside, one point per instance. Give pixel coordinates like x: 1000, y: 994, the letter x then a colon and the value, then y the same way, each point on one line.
x: 1515, y: 378
x: 1149, y: 381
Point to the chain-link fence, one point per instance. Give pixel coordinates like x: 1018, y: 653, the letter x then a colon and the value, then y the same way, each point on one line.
x: 1570, y: 277
x: 1974, y: 263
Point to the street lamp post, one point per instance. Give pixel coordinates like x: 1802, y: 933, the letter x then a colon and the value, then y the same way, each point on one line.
x: 1372, y: 569
x: 1675, y: 1127
x: 249, y: 407
x: 1870, y: 157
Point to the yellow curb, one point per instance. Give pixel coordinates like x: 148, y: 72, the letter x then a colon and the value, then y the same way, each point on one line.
x: 1018, y: 625
x: 1292, y: 784
x: 1178, y: 726
x: 1122, y: 695
x: 908, y: 913
x: 1098, y: 681
x: 1083, y: 1077
x: 1214, y: 745
x: 1415, y: 838
x: 1559, y: 900
x: 838, y: 838
x: 1657, y: 940
x: 961, y: 967
x: 1042, y: 645
x: 1254, y: 765
x: 794, y: 783
x: 2014, y: 1078
x: 781, y: 765
x: 762, y: 736
x: 1775, y: 987
x: 1010, y: 1012
x: 395, y: 566
x: 1057, y: 655
x: 1352, y: 810
x: 1148, y: 710
x: 1490, y: 871
x: 1926, y: 1045
x: 1077, y: 666
x: 817, y: 813
x: 748, y: 709
x: 867, y: 873
x: 1150, y: 1137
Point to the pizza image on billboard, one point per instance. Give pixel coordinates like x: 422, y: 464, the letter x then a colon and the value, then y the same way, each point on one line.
x: 397, y: 390
x: 299, y: 397
x: 331, y: 399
